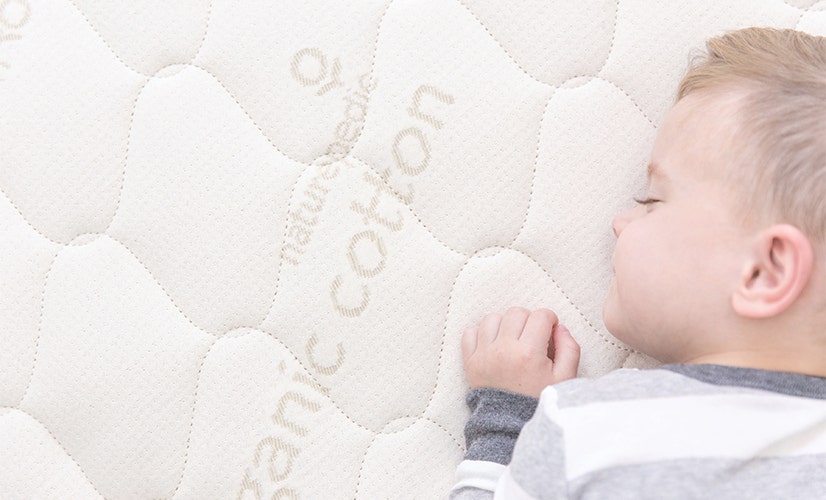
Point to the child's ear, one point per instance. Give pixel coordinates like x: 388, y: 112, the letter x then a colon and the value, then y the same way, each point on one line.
x: 775, y: 273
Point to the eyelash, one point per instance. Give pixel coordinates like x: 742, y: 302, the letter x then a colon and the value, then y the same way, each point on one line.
x: 646, y: 201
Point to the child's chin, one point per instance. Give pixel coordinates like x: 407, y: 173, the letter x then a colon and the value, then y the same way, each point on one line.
x: 609, y: 312
x: 612, y: 319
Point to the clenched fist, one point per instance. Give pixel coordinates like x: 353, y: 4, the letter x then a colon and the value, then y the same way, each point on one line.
x: 521, y: 352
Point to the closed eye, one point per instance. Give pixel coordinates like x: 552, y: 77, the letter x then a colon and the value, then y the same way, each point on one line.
x: 646, y: 201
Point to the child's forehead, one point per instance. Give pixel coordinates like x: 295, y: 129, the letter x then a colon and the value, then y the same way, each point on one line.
x: 699, y: 133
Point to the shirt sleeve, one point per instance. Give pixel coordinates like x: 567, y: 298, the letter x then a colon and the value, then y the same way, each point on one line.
x: 535, y: 462
x: 496, y: 419
x: 491, y: 432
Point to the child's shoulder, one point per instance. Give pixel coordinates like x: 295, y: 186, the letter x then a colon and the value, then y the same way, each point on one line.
x: 676, y: 381
x: 628, y: 384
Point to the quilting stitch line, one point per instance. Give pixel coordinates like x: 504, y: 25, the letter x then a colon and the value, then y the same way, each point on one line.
x: 633, y: 101
x: 128, y: 145
x: 330, y: 399
x: 444, y: 329
x: 535, y: 166
x: 450, y: 300
x: 39, y: 327
x: 124, y: 63
x: 28, y: 223
x: 581, y: 314
x: 128, y: 148
x: 376, y: 436
x: 309, y: 373
x: 507, y: 53
x: 372, y: 78
x: 106, y: 43
x: 206, y: 30
x: 244, y: 110
x: 456, y: 440
x: 799, y: 20
x: 613, y: 39
x: 192, y: 415
x: 43, y: 302
x: 171, y: 300
x: 281, y: 252
x: 409, y: 206
x: 83, y: 472
x: 795, y: 7
x: 539, y: 139
x: 802, y: 15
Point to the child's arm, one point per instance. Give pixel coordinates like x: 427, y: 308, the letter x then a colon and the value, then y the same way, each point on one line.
x: 508, y: 361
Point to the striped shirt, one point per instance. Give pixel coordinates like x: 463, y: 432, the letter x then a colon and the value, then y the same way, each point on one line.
x: 678, y: 431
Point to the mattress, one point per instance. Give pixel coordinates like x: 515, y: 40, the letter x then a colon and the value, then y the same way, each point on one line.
x: 239, y: 241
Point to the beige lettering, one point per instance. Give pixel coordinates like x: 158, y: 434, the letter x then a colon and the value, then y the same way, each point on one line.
x: 312, y: 384
x: 285, y: 493
x: 360, y: 107
x: 406, y: 197
x: 300, y: 233
x: 337, y: 150
x: 416, y: 111
x: 324, y: 369
x: 350, y: 312
x: 423, y: 147
x: 344, y: 127
x: 367, y: 84
x: 334, y: 79
x: 371, y: 212
x: 314, y: 209
x: 326, y: 173
x: 22, y: 21
x: 293, y: 397
x: 9, y: 37
x: 298, y: 72
x: 317, y: 191
x: 297, y: 217
x: 361, y: 270
x: 278, y: 448
x: 290, y: 258
x: 248, y: 484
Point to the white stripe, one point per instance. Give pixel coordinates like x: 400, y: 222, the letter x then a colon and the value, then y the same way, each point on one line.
x: 478, y: 474
x: 508, y: 489
x: 738, y: 426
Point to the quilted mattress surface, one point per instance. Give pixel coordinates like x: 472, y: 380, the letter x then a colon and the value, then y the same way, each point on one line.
x: 239, y: 241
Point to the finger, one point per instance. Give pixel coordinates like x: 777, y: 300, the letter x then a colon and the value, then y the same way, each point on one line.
x: 538, y: 329
x: 514, y: 322
x: 566, y: 354
x: 469, y: 341
x: 489, y: 327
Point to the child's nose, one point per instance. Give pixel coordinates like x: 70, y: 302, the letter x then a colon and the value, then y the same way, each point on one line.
x: 621, y: 220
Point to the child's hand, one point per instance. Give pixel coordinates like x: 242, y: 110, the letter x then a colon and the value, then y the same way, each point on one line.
x: 514, y: 352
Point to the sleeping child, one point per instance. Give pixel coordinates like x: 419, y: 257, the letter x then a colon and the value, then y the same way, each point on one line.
x: 720, y: 274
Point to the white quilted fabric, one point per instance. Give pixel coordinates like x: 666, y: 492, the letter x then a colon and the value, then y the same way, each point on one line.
x: 239, y: 241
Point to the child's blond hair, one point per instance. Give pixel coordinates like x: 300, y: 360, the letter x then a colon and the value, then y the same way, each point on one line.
x: 782, y: 120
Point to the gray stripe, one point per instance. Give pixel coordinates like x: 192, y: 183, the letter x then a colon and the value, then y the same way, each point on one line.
x: 792, y: 384
x: 539, y: 459
x: 685, y: 380
x: 630, y: 383
x: 764, y: 478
